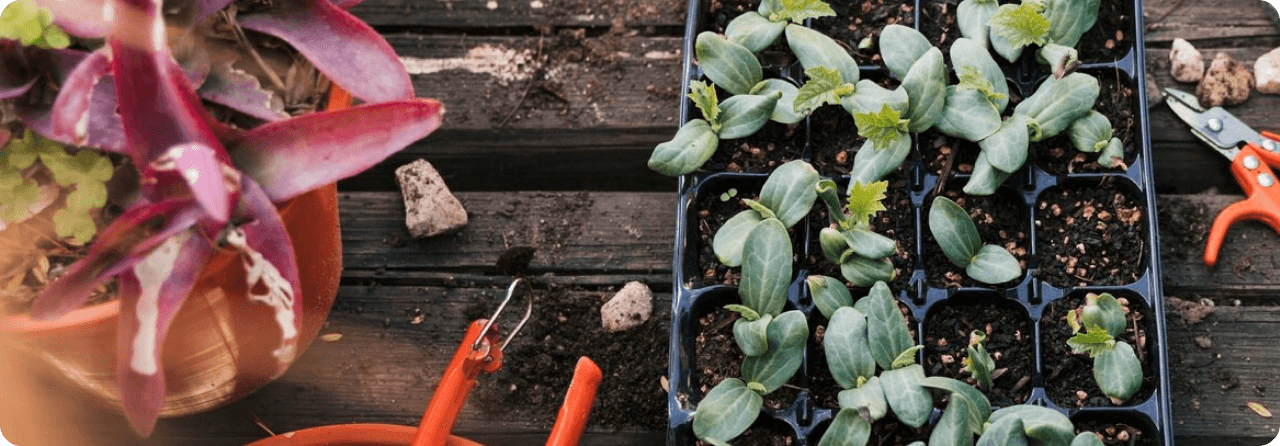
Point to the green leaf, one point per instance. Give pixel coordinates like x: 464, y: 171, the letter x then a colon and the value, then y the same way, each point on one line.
x: 798, y: 10
x: 926, y: 86
x: 869, y: 395
x: 882, y: 129
x: 1118, y: 372
x: 764, y: 211
x: 953, y: 428
x: 55, y: 37
x: 985, y: 178
x: 962, y: 393
x: 824, y: 87
x: 74, y: 223
x: 900, y: 47
x: 870, y: 97
x: 847, y: 429
x: 954, y: 231
x: 1091, y: 132
x: 744, y: 311
x: 815, y: 49
x: 752, y: 336
x: 1053, y: 55
x: 787, y: 334
x: 1058, y: 102
x: 1086, y: 439
x: 87, y: 195
x: 1070, y: 19
x: 1039, y: 423
x: 766, y: 268
x: 829, y: 295
x: 732, y: 236
x: 973, y: 79
x: 993, y: 265
x: 847, y: 351
x: 790, y: 190
x: 972, y: 17
x: 1023, y: 25
x: 862, y: 271
x: 692, y: 146
x: 1006, y: 149
x: 731, y: 66
x: 783, y: 112
x: 1113, y: 154
x: 704, y: 97
x: 1104, y: 311
x: 968, y: 115
x: 888, y: 329
x: 833, y: 244
x: 870, y: 165
x: 741, y: 116
x: 865, y: 201
x: 869, y: 244
x: 754, y: 31
x: 826, y: 190
x: 727, y: 411
x: 977, y: 361
x: 1006, y: 432
x: 907, y: 357
x: 1093, y: 341
x: 910, y: 401
x: 969, y: 54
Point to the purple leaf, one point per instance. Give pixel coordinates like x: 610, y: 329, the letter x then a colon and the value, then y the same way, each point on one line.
x: 271, y: 270
x: 346, y: 4
x: 239, y: 90
x: 340, y: 45
x: 194, y: 170
x: 10, y: 91
x: 105, y: 131
x: 71, y: 109
x: 119, y: 246
x: 294, y: 156
x: 84, y: 18
x: 208, y: 8
x: 150, y: 296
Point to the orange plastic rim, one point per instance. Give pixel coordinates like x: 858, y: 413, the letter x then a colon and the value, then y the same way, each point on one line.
x: 354, y: 435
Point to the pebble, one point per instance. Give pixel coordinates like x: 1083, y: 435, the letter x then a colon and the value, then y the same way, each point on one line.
x: 1226, y: 83
x: 631, y: 307
x: 1267, y: 72
x: 1186, y: 63
x: 430, y: 209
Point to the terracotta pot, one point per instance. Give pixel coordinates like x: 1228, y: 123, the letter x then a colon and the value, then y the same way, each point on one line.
x: 353, y: 435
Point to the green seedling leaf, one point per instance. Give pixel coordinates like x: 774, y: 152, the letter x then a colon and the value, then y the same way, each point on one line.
x: 833, y: 244
x: 973, y: 79
x: 1104, y: 311
x: 1057, y: 103
x: 1070, y: 19
x: 869, y: 395
x: 954, y: 231
x: 968, y: 115
x: 1022, y: 24
x: 704, y: 97
x: 969, y: 55
x: 829, y: 295
x: 1093, y: 341
x: 766, y: 268
x: 744, y: 311
x: 1038, y: 423
x: 870, y: 165
x: 1006, y: 149
x: 1006, y: 432
x: 889, y: 335
x: 1118, y: 372
x: 787, y: 334
x: 865, y: 201
x: 861, y: 271
x: 847, y: 429
x: 900, y: 47
x: 741, y: 116
x: 882, y: 128
x: 910, y: 401
x: 1055, y: 55
x: 732, y: 236
x: 726, y: 412
x: 953, y: 428
x: 790, y: 190
x: 764, y: 211
x: 1113, y: 154
x: 752, y: 335
x: 977, y: 361
x: 907, y: 357
x: 845, y: 342
x: 826, y: 190
x: 753, y: 31
x: 972, y: 17
x: 783, y: 112
x: 815, y: 49
x: 731, y: 66
x: 689, y: 150
x: 770, y: 7
x: 1090, y: 133
x: 87, y: 195
x: 993, y: 265
x: 870, y: 97
x: 926, y: 86
x: 962, y: 393
x: 74, y: 223
x: 824, y: 87
x: 985, y: 178
x: 1087, y: 439
x: 869, y: 244
x: 798, y: 10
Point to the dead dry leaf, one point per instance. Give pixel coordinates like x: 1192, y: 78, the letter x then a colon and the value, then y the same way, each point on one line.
x: 1259, y: 409
x: 331, y: 337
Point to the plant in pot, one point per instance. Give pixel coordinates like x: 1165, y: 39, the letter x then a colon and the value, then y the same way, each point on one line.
x: 203, y: 224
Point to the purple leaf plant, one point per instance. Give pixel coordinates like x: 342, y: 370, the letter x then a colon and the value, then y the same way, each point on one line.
x: 205, y: 186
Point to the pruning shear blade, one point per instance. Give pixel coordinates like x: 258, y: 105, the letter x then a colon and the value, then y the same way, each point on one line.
x: 1215, y: 126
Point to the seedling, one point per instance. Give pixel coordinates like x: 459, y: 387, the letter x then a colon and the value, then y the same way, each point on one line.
x: 32, y: 25
x: 977, y: 361
x: 80, y: 178
x: 861, y: 253
x: 960, y: 241
x: 1096, y: 327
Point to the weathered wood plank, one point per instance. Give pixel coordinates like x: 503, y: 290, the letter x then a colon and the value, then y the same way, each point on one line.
x: 454, y: 14
x: 576, y: 233
x: 1191, y: 20
x: 1248, y: 263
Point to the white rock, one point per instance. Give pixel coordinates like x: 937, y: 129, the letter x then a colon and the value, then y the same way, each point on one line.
x: 631, y: 307
x: 1187, y: 65
x: 430, y: 209
x: 1266, y: 72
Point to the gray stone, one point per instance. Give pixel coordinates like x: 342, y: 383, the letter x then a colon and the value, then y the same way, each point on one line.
x: 631, y: 307
x: 1266, y: 72
x: 1186, y: 63
x: 430, y: 209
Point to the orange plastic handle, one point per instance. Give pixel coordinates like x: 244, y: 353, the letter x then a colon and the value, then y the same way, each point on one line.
x: 458, y: 380
x: 1251, y: 169
x: 572, y: 419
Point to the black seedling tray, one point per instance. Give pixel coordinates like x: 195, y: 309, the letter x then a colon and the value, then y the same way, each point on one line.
x: 803, y: 418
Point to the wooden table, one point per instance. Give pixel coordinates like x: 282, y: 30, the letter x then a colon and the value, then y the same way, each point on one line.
x: 565, y: 103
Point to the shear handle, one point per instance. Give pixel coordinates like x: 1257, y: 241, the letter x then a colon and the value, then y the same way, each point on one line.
x: 458, y: 380
x: 572, y: 419
x: 1253, y: 173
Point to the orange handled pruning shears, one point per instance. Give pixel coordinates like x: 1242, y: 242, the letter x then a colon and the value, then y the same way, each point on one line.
x: 480, y: 352
x: 1250, y: 164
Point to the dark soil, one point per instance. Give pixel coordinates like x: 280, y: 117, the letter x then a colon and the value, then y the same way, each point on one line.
x: 1118, y: 102
x: 1116, y: 434
x: 943, y: 154
x: 717, y: 358
x: 709, y: 215
x: 833, y: 140
x: 897, y: 221
x: 1001, y: 220
x: 1010, y: 339
x: 538, y: 364
x: 1067, y: 373
x: 859, y: 19
x: 1184, y: 228
x: 762, y: 152
x: 1090, y: 234
x: 888, y: 431
x: 938, y: 24
x: 759, y: 436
